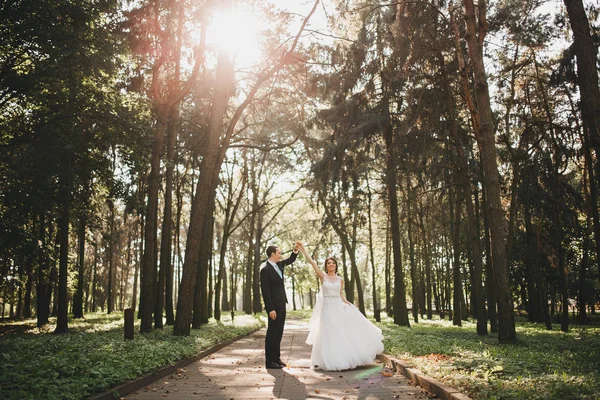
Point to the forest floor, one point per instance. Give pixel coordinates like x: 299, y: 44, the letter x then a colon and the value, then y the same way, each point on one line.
x: 542, y: 364
x: 94, y: 357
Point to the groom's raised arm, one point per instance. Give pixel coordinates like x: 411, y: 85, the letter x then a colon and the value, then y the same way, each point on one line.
x: 290, y: 259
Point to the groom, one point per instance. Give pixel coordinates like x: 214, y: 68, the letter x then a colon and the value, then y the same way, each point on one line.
x: 273, y: 293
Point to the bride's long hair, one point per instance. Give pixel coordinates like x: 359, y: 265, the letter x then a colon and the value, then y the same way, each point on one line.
x: 334, y: 260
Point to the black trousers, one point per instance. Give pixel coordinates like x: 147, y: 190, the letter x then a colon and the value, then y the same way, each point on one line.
x: 274, y: 335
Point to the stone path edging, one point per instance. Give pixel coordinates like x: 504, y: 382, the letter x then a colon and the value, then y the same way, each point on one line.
x: 441, y: 390
x: 131, y: 386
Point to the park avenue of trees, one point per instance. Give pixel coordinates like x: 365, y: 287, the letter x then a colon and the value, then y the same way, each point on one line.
x: 446, y: 152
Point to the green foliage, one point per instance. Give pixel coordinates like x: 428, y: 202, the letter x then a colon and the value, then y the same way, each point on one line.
x: 94, y: 356
x: 542, y: 365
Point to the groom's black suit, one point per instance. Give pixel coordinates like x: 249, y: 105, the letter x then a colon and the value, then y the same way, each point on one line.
x: 274, y: 297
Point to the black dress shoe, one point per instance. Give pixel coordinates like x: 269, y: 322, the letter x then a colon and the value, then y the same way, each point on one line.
x: 278, y: 361
x: 272, y: 365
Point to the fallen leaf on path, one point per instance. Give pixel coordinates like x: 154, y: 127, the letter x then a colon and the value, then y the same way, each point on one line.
x: 387, y: 374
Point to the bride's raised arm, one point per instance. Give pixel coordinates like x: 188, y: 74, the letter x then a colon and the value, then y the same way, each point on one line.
x: 312, y: 262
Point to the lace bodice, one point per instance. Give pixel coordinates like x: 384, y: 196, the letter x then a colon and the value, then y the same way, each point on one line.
x: 331, y: 286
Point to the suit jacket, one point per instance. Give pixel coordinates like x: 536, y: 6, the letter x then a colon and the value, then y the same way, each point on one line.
x: 271, y: 285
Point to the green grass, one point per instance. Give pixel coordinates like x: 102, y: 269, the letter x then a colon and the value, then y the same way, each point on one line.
x: 36, y: 364
x: 542, y: 365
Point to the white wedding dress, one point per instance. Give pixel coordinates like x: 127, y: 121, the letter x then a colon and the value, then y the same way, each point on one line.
x: 342, y: 338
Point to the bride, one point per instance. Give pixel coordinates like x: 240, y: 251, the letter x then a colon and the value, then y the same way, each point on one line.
x: 342, y: 338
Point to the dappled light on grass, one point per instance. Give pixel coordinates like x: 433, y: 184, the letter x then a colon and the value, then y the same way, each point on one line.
x: 542, y: 365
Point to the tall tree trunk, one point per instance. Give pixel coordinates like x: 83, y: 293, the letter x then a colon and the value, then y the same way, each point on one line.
x: 348, y: 292
x: 427, y: 258
x: 178, y: 256
x: 78, y: 298
x: 411, y: 251
x: 400, y: 309
x: 221, y: 274
x: 111, y: 252
x: 563, y: 274
x: 388, y: 279
x: 136, y: 277
x: 582, y: 287
x: 454, y: 208
x: 95, y: 277
x: 202, y: 293
x: 233, y: 291
x: 167, y: 233
x: 489, y: 267
x: 63, y: 226
x: 164, y: 292
x: 587, y: 71
x: 207, y: 258
x: 591, y: 192
x: 531, y: 263
x: 356, y: 277
x: 42, y: 286
x: 28, y: 272
x: 248, y: 281
x: 257, y: 302
x: 376, y: 307
x: 52, y: 292
x: 592, y: 214
x: 148, y: 273
x: 475, y: 34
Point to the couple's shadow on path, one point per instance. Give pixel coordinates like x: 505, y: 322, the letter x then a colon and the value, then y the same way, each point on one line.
x: 288, y: 386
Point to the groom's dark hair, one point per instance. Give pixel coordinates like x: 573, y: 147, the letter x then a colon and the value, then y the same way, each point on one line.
x: 271, y: 250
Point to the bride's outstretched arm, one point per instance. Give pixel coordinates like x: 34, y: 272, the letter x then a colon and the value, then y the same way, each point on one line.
x: 312, y: 262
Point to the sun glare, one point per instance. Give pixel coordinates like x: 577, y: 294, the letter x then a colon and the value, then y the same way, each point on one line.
x: 237, y: 31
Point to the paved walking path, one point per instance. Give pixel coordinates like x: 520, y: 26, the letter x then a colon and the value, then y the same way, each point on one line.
x: 237, y: 372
